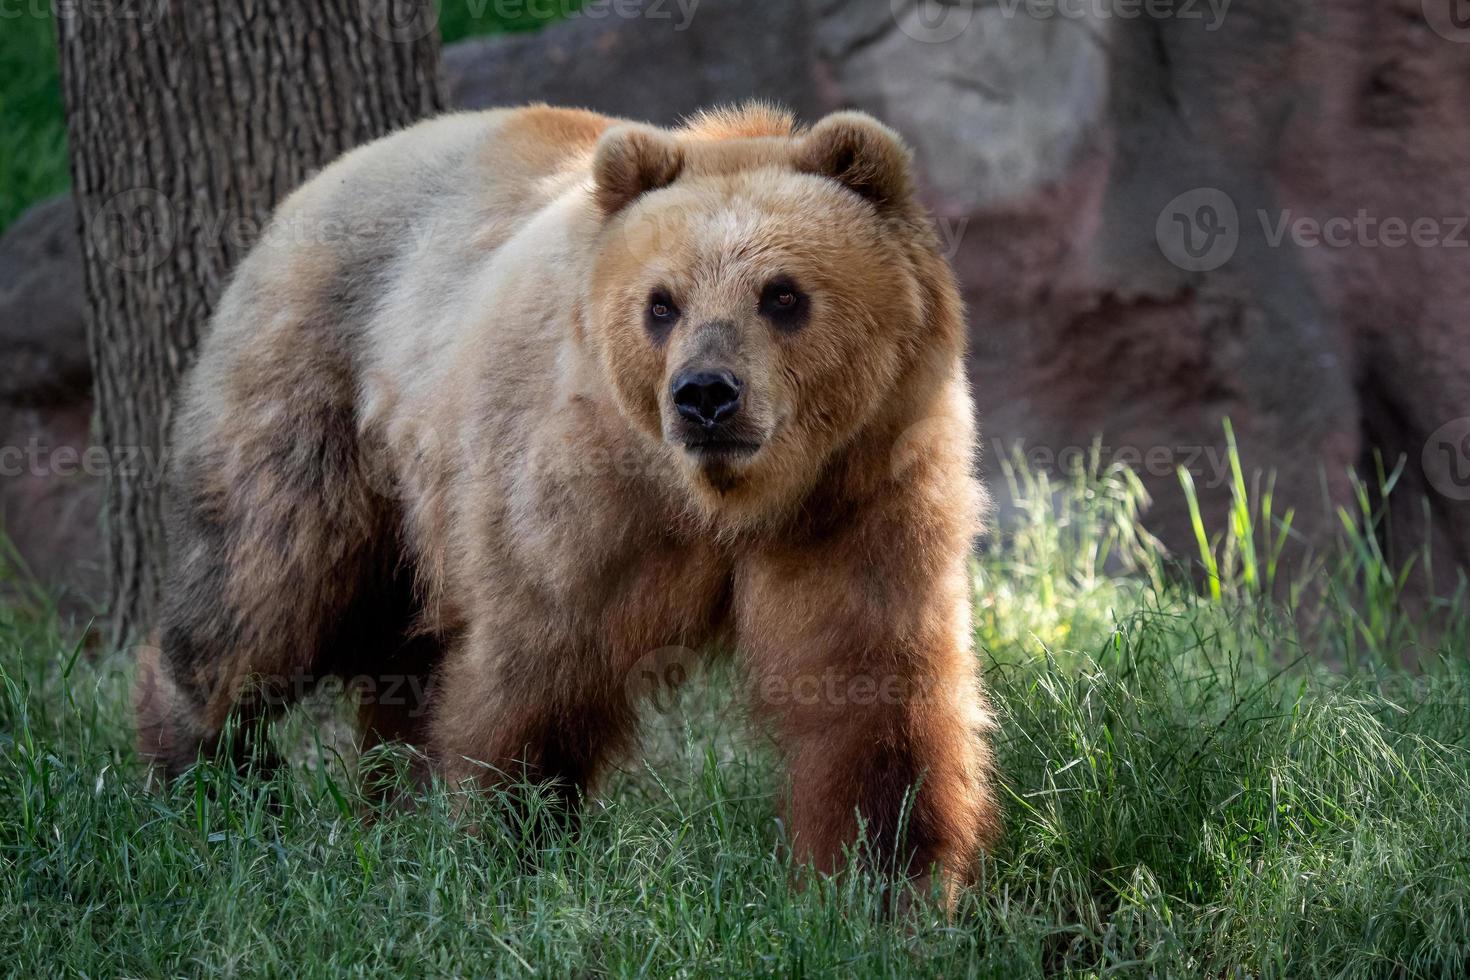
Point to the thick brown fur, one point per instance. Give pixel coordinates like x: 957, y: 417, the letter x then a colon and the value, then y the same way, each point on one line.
x: 431, y: 431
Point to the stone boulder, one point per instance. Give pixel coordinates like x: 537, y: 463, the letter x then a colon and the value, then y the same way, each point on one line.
x: 1114, y: 189
x: 652, y: 60
x: 50, y: 493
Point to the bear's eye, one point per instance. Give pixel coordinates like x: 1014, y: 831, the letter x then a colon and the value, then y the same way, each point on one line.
x: 783, y: 304
x: 662, y: 313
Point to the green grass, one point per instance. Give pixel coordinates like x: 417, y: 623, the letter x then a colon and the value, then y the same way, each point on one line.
x: 467, y: 18
x: 33, y: 163
x: 33, y: 155
x: 1189, y: 792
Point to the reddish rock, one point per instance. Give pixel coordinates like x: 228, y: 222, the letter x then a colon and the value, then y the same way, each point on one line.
x: 1090, y: 317
x: 49, y: 501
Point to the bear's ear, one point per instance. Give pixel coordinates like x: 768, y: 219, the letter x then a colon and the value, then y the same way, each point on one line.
x: 633, y: 159
x: 860, y: 153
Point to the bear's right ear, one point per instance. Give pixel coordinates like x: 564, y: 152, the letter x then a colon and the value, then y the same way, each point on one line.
x: 630, y: 160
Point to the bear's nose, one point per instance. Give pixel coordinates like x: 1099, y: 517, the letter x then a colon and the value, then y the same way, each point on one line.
x: 707, y: 397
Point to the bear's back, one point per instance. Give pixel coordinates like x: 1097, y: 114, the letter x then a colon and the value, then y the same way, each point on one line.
x: 413, y: 213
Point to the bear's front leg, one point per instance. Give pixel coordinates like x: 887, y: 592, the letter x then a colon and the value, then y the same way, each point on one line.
x: 507, y: 706
x: 861, y: 659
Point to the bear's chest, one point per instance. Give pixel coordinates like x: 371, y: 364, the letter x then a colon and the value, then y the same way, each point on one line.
x: 617, y: 564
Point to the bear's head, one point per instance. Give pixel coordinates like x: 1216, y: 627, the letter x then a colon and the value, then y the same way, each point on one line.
x: 762, y: 295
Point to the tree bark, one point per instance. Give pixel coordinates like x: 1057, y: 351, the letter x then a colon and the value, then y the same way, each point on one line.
x: 189, y: 120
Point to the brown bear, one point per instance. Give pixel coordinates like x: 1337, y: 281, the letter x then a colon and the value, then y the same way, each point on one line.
x: 515, y: 398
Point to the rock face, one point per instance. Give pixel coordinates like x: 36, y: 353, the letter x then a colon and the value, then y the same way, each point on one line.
x: 653, y: 60
x: 994, y: 104
x: 1130, y: 203
x: 1379, y: 139
x: 1116, y: 191
x: 40, y: 303
x: 50, y: 493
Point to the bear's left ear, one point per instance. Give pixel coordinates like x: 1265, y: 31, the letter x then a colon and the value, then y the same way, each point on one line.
x: 860, y: 153
x: 633, y: 159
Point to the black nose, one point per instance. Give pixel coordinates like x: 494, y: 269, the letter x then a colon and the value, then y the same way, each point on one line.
x: 707, y: 397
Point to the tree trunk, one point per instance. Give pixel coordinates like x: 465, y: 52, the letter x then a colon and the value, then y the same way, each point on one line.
x: 189, y: 120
